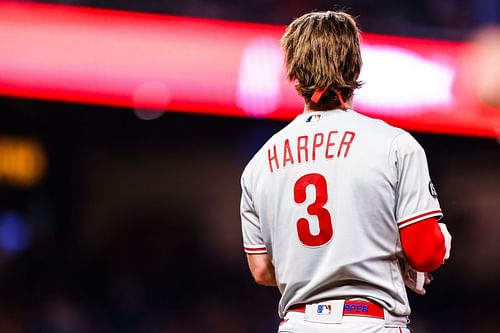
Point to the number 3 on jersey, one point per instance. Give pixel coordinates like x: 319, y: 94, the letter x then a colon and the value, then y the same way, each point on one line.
x: 316, y: 208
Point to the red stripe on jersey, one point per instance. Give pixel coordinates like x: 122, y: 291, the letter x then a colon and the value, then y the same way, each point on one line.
x: 257, y: 249
x: 420, y: 217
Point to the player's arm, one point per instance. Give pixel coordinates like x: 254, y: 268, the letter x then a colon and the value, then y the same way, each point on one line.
x: 424, y: 245
x: 259, y: 262
x: 425, y: 242
x: 262, y: 269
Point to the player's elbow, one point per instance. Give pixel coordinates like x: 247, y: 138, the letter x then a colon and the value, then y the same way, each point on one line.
x: 262, y: 269
x: 264, y: 276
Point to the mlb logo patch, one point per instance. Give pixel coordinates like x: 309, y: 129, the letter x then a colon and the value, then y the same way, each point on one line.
x: 313, y: 118
x: 324, y: 309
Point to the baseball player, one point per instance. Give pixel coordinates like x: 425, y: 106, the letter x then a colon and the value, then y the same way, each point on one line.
x: 338, y: 210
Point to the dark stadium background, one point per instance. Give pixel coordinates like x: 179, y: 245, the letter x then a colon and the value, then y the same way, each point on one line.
x: 135, y: 226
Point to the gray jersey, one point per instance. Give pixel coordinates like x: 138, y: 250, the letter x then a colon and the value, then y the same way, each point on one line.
x: 325, y: 198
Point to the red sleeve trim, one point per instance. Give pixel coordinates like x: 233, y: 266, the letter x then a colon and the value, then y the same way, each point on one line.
x: 256, y: 249
x: 419, y: 217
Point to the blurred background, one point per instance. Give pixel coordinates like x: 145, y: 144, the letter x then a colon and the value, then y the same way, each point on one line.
x: 119, y: 209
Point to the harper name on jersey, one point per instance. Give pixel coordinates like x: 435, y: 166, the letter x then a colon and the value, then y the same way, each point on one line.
x: 305, y: 148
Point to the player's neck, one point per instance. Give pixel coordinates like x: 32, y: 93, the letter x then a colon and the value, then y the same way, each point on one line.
x: 309, y: 109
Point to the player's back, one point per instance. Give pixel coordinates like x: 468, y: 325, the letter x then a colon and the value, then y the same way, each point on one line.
x: 324, y: 191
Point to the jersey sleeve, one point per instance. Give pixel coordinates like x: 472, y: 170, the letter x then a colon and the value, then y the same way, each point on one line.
x: 253, y: 242
x: 416, y: 197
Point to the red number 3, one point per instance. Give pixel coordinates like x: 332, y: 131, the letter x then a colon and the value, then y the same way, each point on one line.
x: 317, y: 208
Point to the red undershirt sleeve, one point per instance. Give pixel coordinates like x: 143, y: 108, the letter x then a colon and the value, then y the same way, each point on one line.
x: 423, y: 244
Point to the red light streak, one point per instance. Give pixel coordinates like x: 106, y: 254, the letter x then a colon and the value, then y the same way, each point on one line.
x: 126, y: 59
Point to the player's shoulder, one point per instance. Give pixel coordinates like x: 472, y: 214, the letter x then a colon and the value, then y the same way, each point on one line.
x: 377, y: 127
x: 279, y: 135
x: 375, y: 123
x: 406, y: 143
x: 251, y: 163
x: 254, y: 161
x: 398, y: 138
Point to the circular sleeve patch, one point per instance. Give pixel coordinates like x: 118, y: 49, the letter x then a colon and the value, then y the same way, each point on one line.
x: 432, y: 190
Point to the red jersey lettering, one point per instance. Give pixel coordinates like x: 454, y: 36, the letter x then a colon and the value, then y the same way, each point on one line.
x: 287, y: 153
x: 346, y: 142
x: 272, y: 158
